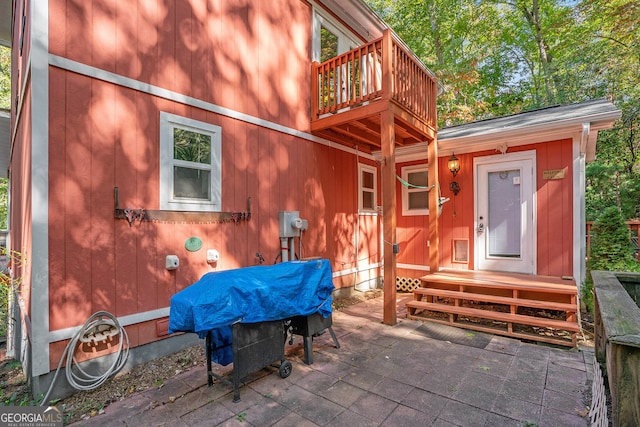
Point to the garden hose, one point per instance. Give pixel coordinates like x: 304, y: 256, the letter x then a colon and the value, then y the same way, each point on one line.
x: 98, y: 327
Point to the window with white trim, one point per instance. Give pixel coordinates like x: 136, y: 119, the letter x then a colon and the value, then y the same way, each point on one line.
x: 415, y: 191
x: 330, y: 38
x: 190, y: 164
x: 367, y: 188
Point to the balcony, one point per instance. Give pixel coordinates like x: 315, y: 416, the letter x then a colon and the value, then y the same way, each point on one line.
x: 351, y: 91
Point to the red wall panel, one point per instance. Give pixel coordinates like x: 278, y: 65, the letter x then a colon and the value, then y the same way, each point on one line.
x: 554, y: 200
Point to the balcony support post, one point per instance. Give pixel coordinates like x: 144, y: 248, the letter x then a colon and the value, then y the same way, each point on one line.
x: 388, y: 168
x: 434, y: 196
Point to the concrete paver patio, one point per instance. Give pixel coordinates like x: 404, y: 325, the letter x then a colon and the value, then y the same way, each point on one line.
x: 381, y: 376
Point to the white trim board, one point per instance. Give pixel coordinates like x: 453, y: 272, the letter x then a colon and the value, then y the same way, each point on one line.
x: 39, y: 304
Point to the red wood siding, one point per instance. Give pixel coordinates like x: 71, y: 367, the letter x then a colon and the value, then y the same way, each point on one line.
x: 109, y: 138
x: 412, y: 232
x: 554, y: 201
x: 103, y: 136
x: 555, y: 210
x: 184, y: 46
x: 456, y: 221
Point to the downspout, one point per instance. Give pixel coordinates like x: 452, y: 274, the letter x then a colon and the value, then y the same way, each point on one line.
x: 580, y: 232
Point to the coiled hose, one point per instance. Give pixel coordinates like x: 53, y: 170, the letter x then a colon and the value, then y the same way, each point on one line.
x: 79, y: 379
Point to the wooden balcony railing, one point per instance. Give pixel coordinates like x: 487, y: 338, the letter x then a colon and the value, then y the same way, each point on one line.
x: 382, y: 69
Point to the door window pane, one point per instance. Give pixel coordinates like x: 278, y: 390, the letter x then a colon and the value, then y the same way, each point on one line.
x: 505, y: 216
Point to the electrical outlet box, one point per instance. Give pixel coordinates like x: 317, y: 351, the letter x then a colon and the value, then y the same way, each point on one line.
x: 172, y: 262
x: 213, y: 255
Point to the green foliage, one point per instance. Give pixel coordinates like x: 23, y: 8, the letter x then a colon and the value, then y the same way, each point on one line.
x: 4, y: 203
x: 15, y: 261
x: 5, y: 78
x: 611, y: 249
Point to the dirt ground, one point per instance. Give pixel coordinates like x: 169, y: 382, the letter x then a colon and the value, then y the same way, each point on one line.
x: 84, y: 404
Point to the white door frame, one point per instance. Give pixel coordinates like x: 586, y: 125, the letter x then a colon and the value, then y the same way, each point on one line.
x: 528, y: 262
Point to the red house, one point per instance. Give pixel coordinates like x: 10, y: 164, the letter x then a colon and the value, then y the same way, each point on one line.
x: 153, y: 142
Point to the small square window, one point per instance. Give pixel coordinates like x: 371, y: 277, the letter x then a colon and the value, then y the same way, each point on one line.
x: 415, y: 190
x: 367, y: 188
x: 190, y: 164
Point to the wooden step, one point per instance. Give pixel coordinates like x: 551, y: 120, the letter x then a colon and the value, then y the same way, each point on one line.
x: 494, y: 315
x: 520, y: 302
x: 483, y: 279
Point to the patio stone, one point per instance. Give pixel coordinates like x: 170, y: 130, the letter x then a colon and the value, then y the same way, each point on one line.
x: 461, y: 414
x: 424, y: 401
x: 551, y: 417
x: 523, y: 391
x: 406, y: 416
x: 320, y: 411
x: 373, y: 407
x: 517, y: 409
x: 342, y: 393
x: 569, y: 403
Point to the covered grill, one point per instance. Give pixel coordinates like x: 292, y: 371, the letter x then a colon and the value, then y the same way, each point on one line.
x: 243, y: 311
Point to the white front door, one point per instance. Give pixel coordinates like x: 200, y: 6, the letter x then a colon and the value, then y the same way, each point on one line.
x: 505, y: 226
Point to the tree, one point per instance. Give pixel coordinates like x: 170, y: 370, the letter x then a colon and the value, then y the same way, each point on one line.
x: 611, y: 249
x: 498, y: 57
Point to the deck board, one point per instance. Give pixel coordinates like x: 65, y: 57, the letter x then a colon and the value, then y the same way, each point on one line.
x: 495, y: 278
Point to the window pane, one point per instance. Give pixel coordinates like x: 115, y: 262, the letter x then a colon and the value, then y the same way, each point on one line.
x: 418, y: 200
x: 418, y: 178
x: 367, y: 200
x: 505, y: 214
x: 328, y: 44
x: 191, y: 183
x: 191, y: 146
x: 367, y: 179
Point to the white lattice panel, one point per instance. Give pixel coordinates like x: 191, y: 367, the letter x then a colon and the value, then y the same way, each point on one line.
x: 406, y: 284
x: 598, y: 412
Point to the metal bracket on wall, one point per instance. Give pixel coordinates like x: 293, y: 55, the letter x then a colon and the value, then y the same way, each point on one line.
x: 186, y: 217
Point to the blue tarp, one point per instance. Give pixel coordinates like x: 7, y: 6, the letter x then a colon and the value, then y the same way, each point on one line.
x: 251, y: 295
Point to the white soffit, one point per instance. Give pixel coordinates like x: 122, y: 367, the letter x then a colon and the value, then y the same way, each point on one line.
x: 358, y: 15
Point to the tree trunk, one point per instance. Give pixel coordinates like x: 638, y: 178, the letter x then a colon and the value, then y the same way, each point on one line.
x: 533, y: 18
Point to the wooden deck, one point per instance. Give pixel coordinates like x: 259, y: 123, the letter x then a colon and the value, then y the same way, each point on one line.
x: 351, y: 91
x: 537, y: 308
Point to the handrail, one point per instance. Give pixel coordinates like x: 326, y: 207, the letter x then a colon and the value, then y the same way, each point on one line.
x: 360, y: 75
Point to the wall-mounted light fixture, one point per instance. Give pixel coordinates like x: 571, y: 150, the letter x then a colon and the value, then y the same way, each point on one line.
x: 454, y: 166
